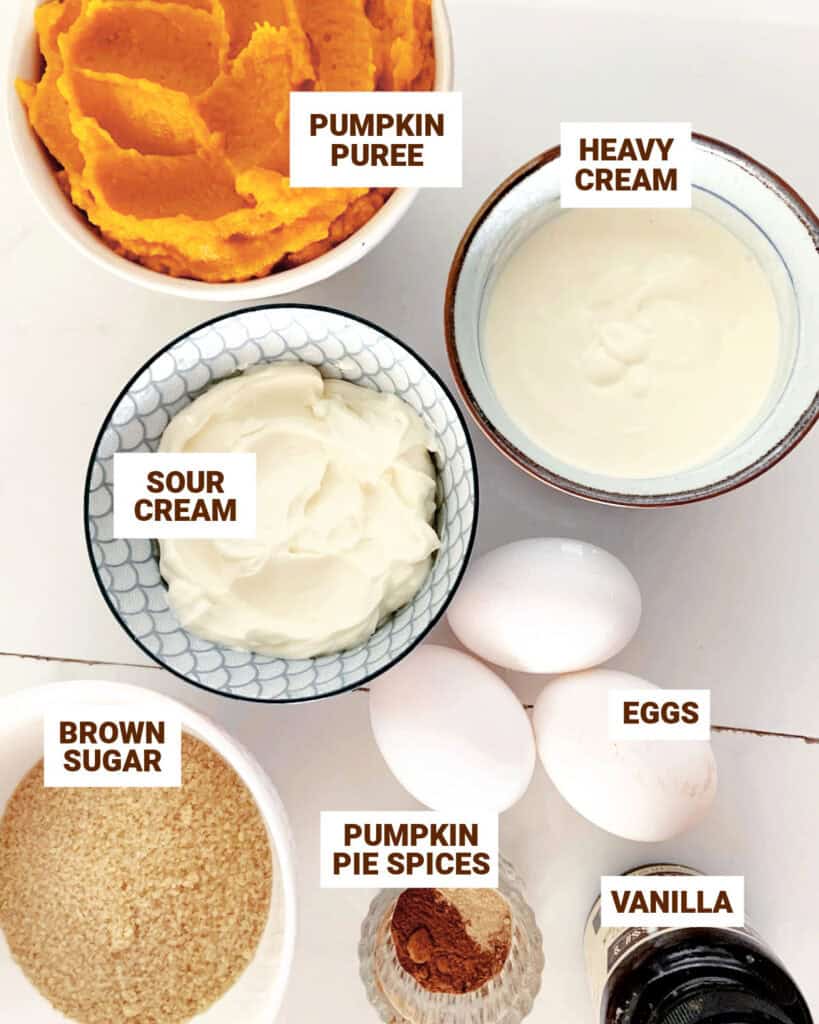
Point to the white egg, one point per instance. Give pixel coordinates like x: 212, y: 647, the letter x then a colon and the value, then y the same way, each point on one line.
x: 546, y: 605
x: 452, y: 732
x: 647, y: 791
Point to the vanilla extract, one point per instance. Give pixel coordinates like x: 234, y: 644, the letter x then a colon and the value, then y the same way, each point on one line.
x: 685, y: 975
x: 702, y: 976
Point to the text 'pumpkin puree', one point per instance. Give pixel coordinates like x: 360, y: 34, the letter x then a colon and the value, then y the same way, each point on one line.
x: 170, y: 120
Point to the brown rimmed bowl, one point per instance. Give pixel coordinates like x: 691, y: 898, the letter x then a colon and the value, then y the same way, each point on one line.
x: 749, y: 200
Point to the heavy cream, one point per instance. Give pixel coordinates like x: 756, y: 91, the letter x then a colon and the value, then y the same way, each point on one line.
x: 632, y: 343
x: 345, y: 505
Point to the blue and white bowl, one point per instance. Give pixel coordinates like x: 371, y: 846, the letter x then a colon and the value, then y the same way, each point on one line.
x: 341, y: 346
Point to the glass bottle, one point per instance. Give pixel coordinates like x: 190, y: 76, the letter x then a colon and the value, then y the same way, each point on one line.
x: 687, y: 975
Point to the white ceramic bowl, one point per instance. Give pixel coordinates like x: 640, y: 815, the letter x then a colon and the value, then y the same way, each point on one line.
x: 342, y: 347
x: 257, y: 995
x: 37, y: 168
x: 749, y: 200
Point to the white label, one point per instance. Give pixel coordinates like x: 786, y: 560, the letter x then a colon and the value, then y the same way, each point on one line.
x: 118, y: 746
x: 672, y: 901
x: 408, y: 850
x: 376, y: 140
x: 634, y: 164
x: 160, y: 495
x: 659, y: 715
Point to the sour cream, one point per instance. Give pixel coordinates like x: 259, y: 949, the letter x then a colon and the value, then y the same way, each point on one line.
x: 632, y: 343
x: 345, y: 505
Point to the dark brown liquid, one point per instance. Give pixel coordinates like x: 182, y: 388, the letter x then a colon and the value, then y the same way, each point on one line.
x: 702, y: 976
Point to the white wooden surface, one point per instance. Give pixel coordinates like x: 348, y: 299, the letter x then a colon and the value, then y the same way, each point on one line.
x: 729, y: 586
x: 323, y: 757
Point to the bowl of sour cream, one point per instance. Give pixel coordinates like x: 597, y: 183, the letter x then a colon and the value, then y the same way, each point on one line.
x: 366, y: 504
x: 641, y: 357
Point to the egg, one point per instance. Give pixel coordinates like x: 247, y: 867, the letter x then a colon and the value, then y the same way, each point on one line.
x: 546, y: 605
x: 646, y: 791
x: 452, y: 732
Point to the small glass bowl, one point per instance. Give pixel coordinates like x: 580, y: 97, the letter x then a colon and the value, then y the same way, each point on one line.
x: 751, y: 202
x: 506, y: 999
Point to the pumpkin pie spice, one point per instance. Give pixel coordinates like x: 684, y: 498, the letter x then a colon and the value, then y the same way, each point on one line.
x: 452, y: 941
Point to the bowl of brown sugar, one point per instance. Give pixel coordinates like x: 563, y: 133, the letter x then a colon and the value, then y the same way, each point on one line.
x: 141, y: 905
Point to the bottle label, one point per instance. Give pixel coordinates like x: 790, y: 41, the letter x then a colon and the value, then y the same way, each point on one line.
x: 607, y: 946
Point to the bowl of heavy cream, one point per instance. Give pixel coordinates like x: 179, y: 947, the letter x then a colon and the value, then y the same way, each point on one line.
x: 366, y: 504
x: 641, y: 357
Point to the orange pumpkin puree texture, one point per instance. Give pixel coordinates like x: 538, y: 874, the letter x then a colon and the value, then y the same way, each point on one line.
x: 168, y: 120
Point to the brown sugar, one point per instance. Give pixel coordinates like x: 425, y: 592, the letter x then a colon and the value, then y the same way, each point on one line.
x: 452, y: 941
x: 135, y: 906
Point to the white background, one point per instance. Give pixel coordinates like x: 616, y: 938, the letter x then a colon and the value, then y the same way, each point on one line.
x: 698, y: 891
x: 421, y: 876
x: 730, y: 586
x: 311, y: 165
x: 56, y: 771
x: 657, y: 729
x: 671, y: 153
x: 131, y: 471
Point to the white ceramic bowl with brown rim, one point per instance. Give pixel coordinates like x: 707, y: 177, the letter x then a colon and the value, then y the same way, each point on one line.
x: 37, y: 168
x: 747, y: 199
x: 257, y: 994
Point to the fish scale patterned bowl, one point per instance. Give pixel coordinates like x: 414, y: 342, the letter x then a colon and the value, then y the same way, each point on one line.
x: 341, y: 347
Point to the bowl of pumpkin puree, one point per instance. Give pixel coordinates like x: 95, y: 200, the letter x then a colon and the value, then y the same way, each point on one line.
x: 155, y: 133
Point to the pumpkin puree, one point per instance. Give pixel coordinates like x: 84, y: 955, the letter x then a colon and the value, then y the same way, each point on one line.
x: 169, y: 120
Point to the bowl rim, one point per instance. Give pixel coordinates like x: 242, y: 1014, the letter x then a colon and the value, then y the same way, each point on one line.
x: 32, y: 701
x: 473, y: 531
x: 621, y: 499
x: 82, y: 235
